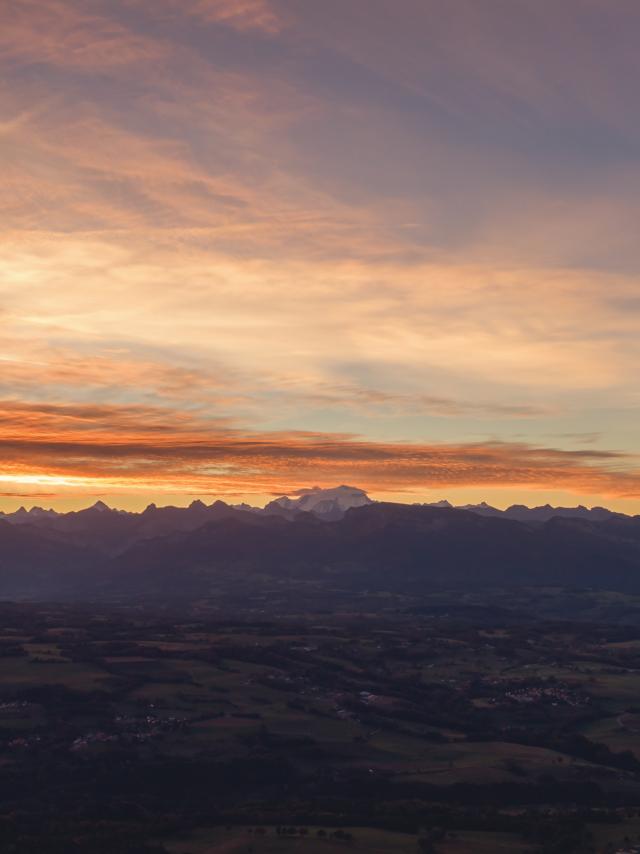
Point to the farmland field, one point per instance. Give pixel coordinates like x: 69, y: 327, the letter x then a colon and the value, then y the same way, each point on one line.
x: 373, y: 731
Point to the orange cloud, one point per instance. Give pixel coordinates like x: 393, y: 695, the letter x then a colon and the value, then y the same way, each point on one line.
x: 239, y: 14
x: 148, y: 449
x: 65, y: 33
x: 113, y: 372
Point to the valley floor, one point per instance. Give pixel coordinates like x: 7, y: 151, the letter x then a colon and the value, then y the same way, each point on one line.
x: 126, y: 729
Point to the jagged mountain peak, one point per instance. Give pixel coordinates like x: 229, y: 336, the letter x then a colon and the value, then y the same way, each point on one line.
x: 197, y: 505
x: 100, y: 507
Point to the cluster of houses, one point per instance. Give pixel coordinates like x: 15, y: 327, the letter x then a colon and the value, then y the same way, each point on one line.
x: 85, y: 741
x: 554, y: 694
x: 138, y: 730
x: 24, y: 742
x: 375, y: 699
x: 341, y: 701
x: 14, y: 706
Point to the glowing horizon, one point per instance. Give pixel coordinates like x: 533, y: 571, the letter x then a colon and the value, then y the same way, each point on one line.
x: 250, y: 246
x: 500, y: 499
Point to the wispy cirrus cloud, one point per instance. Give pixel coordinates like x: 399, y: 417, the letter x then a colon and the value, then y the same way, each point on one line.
x: 112, y: 373
x: 239, y: 14
x: 34, y: 496
x: 520, y: 328
x: 68, y: 34
x: 120, y: 374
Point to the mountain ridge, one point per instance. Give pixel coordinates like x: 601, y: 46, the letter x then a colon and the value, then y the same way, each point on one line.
x: 400, y: 548
x: 328, y: 503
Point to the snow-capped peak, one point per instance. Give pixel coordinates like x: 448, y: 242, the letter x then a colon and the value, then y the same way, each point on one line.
x: 322, y: 501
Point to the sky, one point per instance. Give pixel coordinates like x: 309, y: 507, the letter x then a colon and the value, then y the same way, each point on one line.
x: 251, y: 246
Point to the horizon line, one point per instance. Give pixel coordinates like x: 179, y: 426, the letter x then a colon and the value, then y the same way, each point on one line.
x: 299, y: 493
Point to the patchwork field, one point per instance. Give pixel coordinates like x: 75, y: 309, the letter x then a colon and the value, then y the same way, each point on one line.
x: 372, y: 732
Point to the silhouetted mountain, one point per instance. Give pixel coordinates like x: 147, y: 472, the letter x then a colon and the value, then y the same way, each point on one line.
x: 483, y: 509
x: 113, y: 531
x: 538, y: 514
x: 28, y: 517
x: 546, y: 512
x: 393, y: 547
x: 116, y: 530
x: 40, y: 564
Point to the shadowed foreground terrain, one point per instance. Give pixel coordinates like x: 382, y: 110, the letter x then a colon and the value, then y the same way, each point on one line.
x: 381, y: 724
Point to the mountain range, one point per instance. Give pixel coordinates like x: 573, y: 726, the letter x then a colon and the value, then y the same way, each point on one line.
x: 336, y: 537
x: 328, y: 504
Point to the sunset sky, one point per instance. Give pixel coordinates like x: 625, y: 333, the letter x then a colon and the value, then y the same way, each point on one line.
x: 250, y: 246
